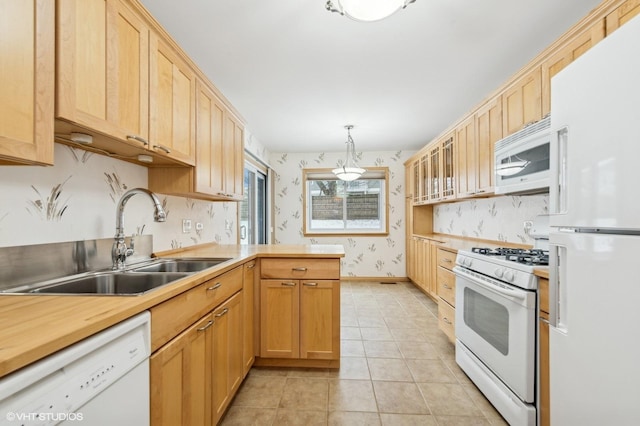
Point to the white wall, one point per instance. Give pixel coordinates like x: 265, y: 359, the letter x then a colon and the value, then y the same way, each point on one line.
x: 76, y: 200
x: 365, y: 256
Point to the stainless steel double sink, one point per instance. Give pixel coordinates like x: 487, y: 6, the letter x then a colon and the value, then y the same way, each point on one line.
x: 135, y: 280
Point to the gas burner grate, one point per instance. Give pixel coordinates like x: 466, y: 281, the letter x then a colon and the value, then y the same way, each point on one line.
x: 535, y: 259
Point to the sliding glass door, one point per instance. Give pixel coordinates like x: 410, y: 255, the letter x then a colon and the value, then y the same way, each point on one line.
x: 253, y: 209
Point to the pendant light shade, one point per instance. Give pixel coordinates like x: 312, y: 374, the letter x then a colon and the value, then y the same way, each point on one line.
x: 349, y: 170
x: 367, y: 10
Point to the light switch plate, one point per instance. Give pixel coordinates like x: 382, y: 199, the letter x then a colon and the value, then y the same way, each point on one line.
x: 186, y: 226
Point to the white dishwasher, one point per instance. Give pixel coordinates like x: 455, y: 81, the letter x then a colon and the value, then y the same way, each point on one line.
x: 102, y: 380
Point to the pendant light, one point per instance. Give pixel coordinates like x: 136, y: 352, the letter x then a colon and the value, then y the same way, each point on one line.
x: 349, y: 170
x: 367, y: 10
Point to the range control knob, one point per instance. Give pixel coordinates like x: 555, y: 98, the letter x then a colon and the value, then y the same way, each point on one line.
x: 509, y: 276
x: 498, y: 272
x: 467, y: 261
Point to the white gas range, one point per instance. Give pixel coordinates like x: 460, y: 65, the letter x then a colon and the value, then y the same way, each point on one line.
x: 496, y: 306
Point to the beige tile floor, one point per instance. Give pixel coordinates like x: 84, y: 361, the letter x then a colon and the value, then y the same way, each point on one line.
x: 397, y: 368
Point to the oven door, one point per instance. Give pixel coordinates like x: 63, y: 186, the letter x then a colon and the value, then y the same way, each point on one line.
x: 496, y: 322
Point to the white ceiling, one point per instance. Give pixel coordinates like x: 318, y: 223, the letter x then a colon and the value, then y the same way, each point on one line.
x: 298, y: 73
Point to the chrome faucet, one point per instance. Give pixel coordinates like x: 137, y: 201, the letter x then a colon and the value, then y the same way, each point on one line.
x: 120, y: 251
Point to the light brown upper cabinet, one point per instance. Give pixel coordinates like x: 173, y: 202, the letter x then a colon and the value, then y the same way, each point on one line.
x: 467, y: 157
x: 489, y: 131
x: 219, y: 168
x: 27, y: 31
x: 565, y: 55
x: 440, y: 170
x: 522, y: 102
x: 622, y: 14
x: 171, y: 102
x: 120, y: 82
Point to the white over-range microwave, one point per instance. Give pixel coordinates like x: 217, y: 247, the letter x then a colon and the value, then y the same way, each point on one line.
x: 522, y: 160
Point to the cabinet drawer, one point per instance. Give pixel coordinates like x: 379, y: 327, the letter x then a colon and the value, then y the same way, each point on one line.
x: 171, y: 317
x: 446, y: 259
x: 447, y: 319
x: 446, y: 285
x: 300, y: 268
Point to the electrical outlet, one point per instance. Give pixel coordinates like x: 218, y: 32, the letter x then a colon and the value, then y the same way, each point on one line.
x: 186, y: 226
x: 199, y: 226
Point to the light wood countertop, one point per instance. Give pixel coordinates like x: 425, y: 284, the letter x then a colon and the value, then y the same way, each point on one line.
x: 33, y: 327
x: 454, y: 243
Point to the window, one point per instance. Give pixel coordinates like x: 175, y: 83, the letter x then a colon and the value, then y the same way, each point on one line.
x: 253, y: 208
x: 333, y: 206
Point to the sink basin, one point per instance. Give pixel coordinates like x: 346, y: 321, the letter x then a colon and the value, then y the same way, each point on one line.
x: 179, y: 265
x: 111, y: 283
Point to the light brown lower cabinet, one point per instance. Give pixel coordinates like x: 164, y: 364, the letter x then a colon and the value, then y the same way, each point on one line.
x: 446, y: 292
x: 300, y: 319
x: 227, y: 363
x: 543, y: 347
x: 248, y: 295
x: 181, y: 374
x: 299, y: 312
x: 196, y: 374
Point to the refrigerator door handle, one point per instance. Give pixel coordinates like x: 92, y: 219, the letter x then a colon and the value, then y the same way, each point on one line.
x: 557, y: 292
x: 559, y: 177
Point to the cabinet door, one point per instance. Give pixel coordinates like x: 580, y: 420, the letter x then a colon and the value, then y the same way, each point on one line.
x: 545, y: 402
x: 522, y: 102
x: 567, y: 54
x: 448, y: 166
x: 180, y: 378
x: 279, y: 318
x: 171, y: 103
x: 27, y: 53
x: 320, y: 319
x: 209, y: 159
x: 433, y: 268
x: 248, y: 315
x: 103, y: 68
x: 622, y: 14
x: 434, y: 173
x: 233, y: 155
x: 489, y: 131
x: 467, y: 157
x: 227, y: 354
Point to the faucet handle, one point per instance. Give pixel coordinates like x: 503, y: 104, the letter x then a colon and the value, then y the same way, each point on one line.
x: 130, y: 249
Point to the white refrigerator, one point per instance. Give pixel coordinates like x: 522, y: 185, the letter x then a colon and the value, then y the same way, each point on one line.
x: 594, y: 333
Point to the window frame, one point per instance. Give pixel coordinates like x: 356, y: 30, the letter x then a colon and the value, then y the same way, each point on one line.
x: 371, y: 171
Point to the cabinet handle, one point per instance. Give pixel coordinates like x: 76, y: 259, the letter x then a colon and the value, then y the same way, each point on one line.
x: 224, y: 311
x: 215, y: 287
x: 253, y: 265
x: 544, y: 320
x: 446, y: 260
x: 203, y: 328
x: 138, y: 139
x: 288, y: 284
x: 311, y: 284
x: 445, y: 319
x: 299, y: 269
x: 447, y: 287
x: 162, y: 148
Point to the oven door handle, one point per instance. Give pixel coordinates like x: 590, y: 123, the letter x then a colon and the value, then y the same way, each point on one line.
x: 512, y: 294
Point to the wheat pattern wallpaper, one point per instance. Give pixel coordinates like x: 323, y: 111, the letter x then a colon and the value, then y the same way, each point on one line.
x: 76, y: 200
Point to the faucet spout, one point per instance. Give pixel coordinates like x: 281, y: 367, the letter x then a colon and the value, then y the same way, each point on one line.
x: 119, y: 251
